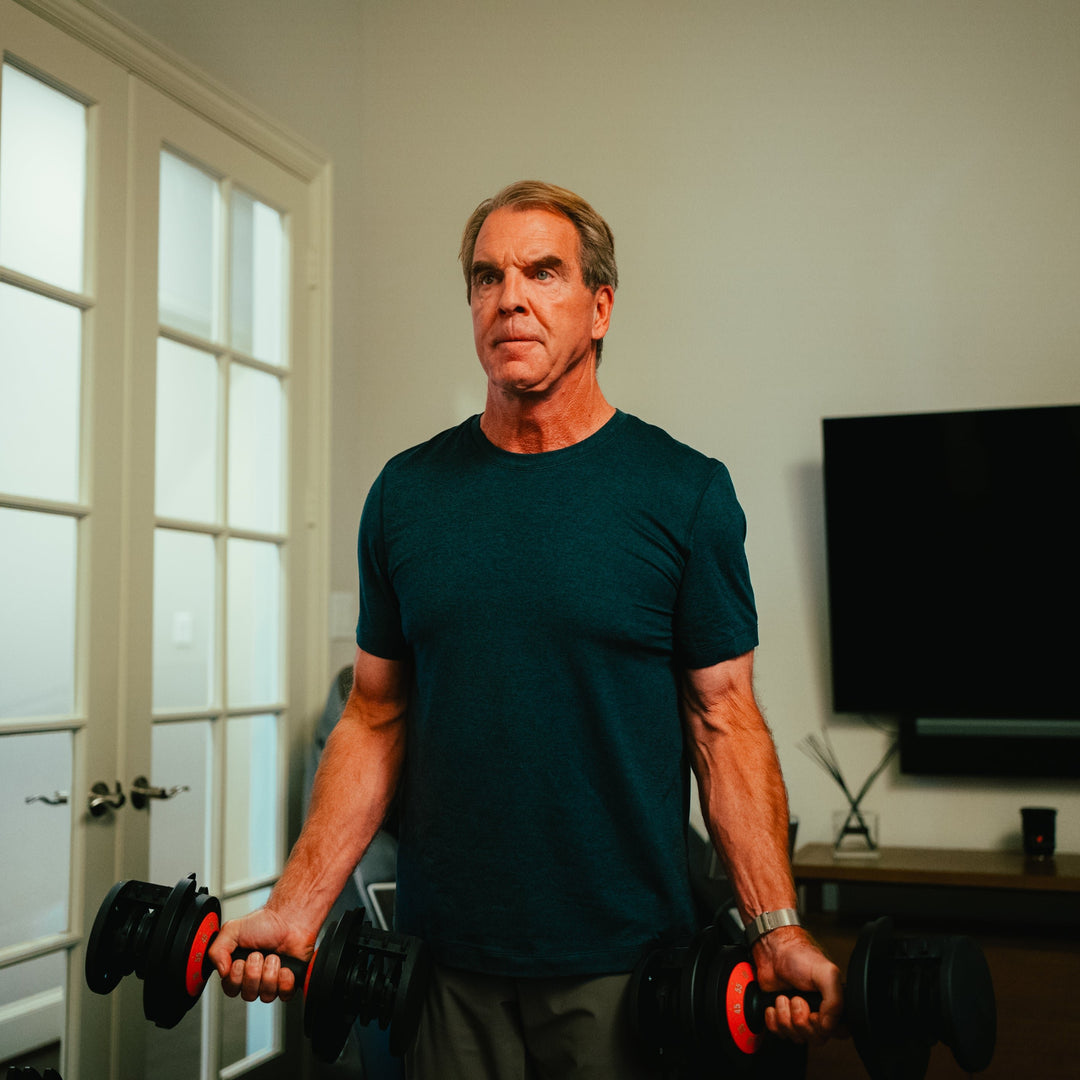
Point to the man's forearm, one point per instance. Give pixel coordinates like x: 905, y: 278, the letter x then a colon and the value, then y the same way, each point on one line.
x: 746, y: 811
x: 353, y: 789
x: 743, y: 798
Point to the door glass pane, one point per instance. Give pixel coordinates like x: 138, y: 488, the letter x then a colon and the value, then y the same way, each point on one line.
x: 251, y: 800
x: 248, y: 1029
x: 258, y: 280
x: 180, y: 827
x: 32, y: 995
x: 188, y: 249
x: 187, y: 428
x: 37, y: 614
x: 40, y: 374
x: 42, y: 180
x: 177, y: 1053
x: 254, y: 617
x: 255, y: 449
x: 181, y: 755
x: 37, y: 835
x: 183, y: 671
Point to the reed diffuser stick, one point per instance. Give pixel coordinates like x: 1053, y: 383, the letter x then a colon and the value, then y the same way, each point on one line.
x: 820, y: 751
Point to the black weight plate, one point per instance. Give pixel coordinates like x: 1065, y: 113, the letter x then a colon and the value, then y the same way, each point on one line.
x: 644, y: 1003
x: 409, y: 997
x: 166, y: 925
x: 692, y: 992
x: 654, y: 1004
x: 183, y: 946
x: 103, y: 970
x: 371, y: 990
x: 903, y: 1060
x: 159, y: 983
x: 969, y: 1011
x: 869, y: 1008
x: 722, y: 1042
x: 165, y: 997
x: 327, y: 1017
x: 892, y: 1046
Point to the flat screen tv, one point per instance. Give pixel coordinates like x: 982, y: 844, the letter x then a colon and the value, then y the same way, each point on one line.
x: 953, y: 553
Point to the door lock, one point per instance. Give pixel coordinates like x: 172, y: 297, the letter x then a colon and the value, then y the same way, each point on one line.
x: 142, y: 791
x: 102, y: 799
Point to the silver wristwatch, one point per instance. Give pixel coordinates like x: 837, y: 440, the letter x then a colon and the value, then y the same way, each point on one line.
x: 768, y: 921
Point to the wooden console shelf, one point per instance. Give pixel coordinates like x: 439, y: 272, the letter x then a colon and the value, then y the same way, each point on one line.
x: 1022, y: 914
x: 941, y: 866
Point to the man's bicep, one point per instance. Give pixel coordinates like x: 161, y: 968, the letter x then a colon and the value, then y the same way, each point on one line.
x: 380, y: 683
x: 714, y: 691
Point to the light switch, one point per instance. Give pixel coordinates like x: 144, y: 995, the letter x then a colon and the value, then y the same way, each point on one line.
x: 182, y: 629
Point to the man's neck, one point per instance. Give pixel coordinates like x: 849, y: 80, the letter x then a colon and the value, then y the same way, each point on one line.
x: 535, y: 424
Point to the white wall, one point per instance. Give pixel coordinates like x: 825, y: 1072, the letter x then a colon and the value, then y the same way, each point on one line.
x: 821, y: 208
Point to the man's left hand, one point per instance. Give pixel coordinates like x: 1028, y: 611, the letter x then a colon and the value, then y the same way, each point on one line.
x: 788, y: 959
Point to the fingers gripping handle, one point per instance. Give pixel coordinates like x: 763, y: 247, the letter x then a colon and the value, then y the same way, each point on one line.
x: 743, y: 1003
x: 200, y: 967
x: 758, y: 1000
x: 288, y: 963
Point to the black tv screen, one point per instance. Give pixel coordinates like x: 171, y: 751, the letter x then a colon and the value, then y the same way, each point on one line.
x: 953, y: 552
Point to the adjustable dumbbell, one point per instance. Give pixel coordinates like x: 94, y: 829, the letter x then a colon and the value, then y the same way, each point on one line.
x: 358, y: 973
x: 696, y: 1006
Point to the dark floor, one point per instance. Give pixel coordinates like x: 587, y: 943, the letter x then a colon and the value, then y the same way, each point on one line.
x: 170, y: 1055
x: 45, y: 1057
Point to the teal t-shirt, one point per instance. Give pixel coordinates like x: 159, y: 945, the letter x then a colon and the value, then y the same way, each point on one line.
x: 548, y: 602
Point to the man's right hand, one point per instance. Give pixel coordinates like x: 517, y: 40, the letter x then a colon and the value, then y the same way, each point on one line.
x: 261, y: 975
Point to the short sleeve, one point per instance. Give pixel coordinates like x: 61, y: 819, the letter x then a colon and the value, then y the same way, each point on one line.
x: 378, y: 629
x: 715, y: 617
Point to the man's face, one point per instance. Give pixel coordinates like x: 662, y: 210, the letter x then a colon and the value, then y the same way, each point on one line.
x: 534, y: 319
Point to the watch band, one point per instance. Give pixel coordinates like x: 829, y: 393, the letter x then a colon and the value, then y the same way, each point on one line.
x: 768, y: 921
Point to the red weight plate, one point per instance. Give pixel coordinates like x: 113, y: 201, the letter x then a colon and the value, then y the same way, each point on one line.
x: 742, y: 975
x: 195, y: 978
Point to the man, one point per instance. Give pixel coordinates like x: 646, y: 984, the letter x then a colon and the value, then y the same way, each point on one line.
x: 555, y: 616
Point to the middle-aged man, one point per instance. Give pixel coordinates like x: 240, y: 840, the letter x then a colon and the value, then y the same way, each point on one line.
x: 555, y: 619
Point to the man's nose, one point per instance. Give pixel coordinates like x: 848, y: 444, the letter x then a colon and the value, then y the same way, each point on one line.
x: 513, y: 298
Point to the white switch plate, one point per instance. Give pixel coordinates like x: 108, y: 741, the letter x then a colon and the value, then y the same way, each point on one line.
x: 183, y: 626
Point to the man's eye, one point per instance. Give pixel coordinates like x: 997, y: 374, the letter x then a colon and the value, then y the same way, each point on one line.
x: 485, y: 279
x: 543, y: 275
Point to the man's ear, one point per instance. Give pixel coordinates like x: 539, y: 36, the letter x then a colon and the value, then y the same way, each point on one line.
x: 605, y: 301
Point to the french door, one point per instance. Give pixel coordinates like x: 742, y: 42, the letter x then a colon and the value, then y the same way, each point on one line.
x: 161, y: 343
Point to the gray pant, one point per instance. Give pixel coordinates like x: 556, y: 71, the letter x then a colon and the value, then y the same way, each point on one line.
x: 483, y: 1027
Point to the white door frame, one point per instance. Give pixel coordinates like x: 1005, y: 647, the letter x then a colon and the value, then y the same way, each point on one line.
x: 97, y: 1037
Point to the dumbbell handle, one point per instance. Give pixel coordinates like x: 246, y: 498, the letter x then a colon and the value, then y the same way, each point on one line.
x: 298, y: 967
x: 757, y: 1001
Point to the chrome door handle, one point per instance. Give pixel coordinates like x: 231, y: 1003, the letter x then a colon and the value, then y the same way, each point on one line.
x: 142, y: 791
x: 102, y: 799
x: 57, y: 798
